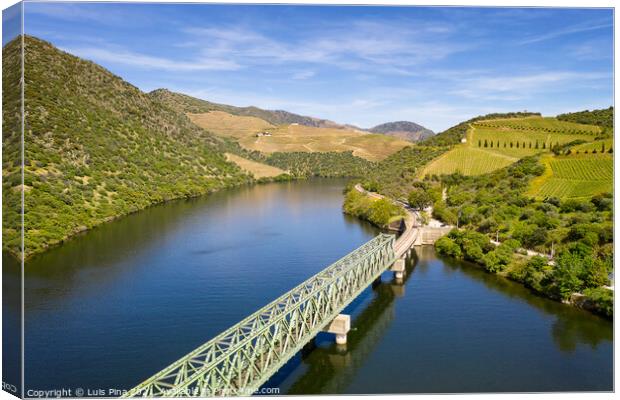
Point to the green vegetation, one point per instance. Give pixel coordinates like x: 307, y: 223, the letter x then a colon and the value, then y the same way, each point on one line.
x: 574, y: 271
x: 496, y: 206
x: 491, y: 144
x: 603, y: 118
x: 187, y: 104
x: 327, y: 165
x: 396, y: 175
x: 538, y: 124
x: 468, y: 161
x: 490, y: 180
x: 583, y: 168
x: 454, y: 134
x: 97, y: 148
x: 603, y: 146
x: 574, y: 176
x: 11, y: 147
x: 380, y: 212
x: 602, y: 299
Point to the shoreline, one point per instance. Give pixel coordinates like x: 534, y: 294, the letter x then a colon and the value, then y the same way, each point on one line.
x: 577, y: 300
x: 25, y: 256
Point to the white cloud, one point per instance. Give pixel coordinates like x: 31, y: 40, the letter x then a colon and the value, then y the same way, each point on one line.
x: 566, y: 31
x: 390, y: 47
x: 143, y: 61
x: 515, y: 87
x: 302, y: 75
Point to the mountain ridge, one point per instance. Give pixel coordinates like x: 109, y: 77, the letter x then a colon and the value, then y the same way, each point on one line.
x: 407, y: 130
x: 403, y: 129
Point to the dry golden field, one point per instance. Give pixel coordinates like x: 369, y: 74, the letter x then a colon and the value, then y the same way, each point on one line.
x: 293, y: 138
x: 225, y: 124
x: 257, y: 169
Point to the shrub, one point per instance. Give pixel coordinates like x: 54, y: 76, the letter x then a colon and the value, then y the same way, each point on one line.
x: 603, y: 299
x: 448, y: 247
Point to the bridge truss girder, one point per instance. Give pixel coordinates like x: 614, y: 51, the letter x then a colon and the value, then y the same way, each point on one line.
x: 242, y: 358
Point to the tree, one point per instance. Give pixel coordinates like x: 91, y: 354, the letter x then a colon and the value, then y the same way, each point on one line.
x: 566, y: 274
x: 534, y: 273
x: 419, y: 199
x: 448, y: 247
x: 594, y: 273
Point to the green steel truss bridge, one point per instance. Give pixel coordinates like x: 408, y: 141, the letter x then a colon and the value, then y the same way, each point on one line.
x: 242, y: 358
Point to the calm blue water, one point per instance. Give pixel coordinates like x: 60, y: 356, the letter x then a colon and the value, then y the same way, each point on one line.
x: 117, y: 304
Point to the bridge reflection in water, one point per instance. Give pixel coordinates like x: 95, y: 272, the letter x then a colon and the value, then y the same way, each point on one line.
x: 331, y: 369
x: 242, y: 358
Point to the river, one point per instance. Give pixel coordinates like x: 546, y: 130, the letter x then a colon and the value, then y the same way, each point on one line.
x: 117, y: 304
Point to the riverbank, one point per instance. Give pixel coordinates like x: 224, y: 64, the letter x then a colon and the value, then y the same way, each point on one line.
x: 375, y: 209
x: 43, y: 247
x: 534, y: 272
x: 508, y: 259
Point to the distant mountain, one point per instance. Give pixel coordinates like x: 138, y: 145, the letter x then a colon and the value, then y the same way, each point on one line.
x: 404, y: 130
x: 188, y: 104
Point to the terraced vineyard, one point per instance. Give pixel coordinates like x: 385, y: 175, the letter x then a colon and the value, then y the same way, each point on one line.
x: 600, y: 146
x: 574, y: 176
x: 546, y: 124
x: 577, y: 167
x: 468, y: 161
x: 494, y: 144
x: 519, y: 143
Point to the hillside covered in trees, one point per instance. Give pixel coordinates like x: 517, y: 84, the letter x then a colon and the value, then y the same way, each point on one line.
x: 603, y: 117
x: 97, y: 147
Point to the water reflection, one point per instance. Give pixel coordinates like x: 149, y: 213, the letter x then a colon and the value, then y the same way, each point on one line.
x: 11, y: 325
x: 331, y: 368
x: 571, y: 327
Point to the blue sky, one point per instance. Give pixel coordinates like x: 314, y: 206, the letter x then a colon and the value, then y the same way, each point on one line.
x: 358, y: 65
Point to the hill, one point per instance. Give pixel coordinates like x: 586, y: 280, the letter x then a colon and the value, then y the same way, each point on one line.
x: 494, y: 143
x: 257, y: 135
x: 404, y: 130
x: 603, y: 118
x: 188, y: 104
x: 453, y: 135
x: 271, y: 132
x: 97, y: 147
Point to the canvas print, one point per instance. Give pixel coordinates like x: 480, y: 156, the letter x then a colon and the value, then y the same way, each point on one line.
x: 207, y: 200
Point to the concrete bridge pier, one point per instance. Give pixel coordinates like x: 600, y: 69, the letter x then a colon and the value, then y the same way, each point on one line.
x: 399, y: 269
x: 340, y: 326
